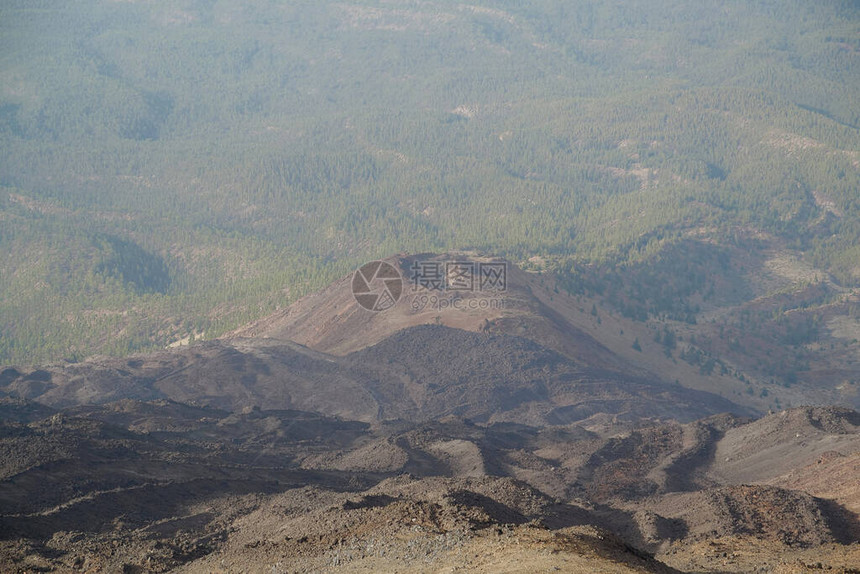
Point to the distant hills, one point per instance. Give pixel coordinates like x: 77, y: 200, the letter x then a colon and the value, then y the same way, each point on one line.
x: 173, y: 171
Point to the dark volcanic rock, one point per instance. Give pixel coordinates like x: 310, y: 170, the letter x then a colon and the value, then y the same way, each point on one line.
x: 418, y: 374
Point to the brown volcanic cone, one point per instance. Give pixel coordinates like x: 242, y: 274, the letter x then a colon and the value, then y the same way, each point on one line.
x: 333, y: 321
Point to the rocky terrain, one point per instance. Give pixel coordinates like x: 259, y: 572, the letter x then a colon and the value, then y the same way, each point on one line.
x: 415, y: 442
x: 420, y: 373
x: 158, y: 486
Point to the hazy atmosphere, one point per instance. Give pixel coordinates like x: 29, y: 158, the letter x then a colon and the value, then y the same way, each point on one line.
x: 617, y: 313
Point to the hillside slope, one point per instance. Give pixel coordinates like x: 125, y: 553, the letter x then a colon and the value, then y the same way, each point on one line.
x: 157, y: 486
x: 419, y: 373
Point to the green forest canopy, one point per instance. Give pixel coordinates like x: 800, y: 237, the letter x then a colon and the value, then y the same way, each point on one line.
x: 172, y: 168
